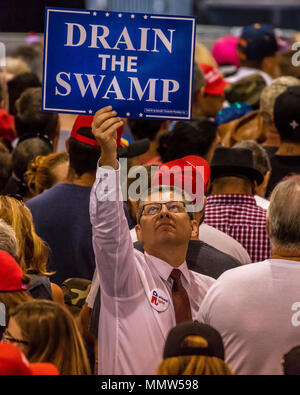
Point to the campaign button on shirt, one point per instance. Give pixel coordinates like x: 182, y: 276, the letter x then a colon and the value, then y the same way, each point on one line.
x: 158, y: 300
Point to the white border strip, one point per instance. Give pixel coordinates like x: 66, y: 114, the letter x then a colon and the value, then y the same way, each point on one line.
x: 165, y: 116
x: 64, y: 110
x: 71, y: 11
x: 192, y: 67
x: 192, y: 57
x: 46, y: 52
x: 172, y: 17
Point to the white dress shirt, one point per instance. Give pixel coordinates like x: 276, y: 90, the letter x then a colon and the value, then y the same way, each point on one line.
x: 132, y: 332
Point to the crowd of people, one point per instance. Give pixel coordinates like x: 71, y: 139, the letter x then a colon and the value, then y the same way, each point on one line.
x: 184, y: 262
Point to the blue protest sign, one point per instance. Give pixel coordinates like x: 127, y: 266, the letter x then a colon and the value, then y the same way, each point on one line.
x: 140, y: 64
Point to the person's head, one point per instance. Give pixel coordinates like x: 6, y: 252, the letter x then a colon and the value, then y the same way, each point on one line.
x: 291, y: 362
x: 144, y: 128
x: 13, y: 285
x: 258, y: 48
x: 5, y: 167
x: 162, y: 219
x: 191, y: 174
x: 33, y: 252
x: 269, y: 96
x: 15, y: 67
x: 283, y: 218
x: 45, y: 171
x: 31, y: 121
x: 17, y: 85
x: 8, y: 239
x: 13, y: 362
x: 287, y: 115
x: 211, y: 98
x: 193, y: 348
x: 233, y: 172
x: 224, y: 51
x: 7, y: 129
x: 83, y: 149
x: 49, y: 334
x: 246, y: 90
x: 198, y: 82
x: 22, y: 155
x: 261, y: 162
x: 197, y: 137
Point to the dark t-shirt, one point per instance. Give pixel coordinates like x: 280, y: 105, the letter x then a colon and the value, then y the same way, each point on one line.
x: 61, y: 218
x: 282, y: 166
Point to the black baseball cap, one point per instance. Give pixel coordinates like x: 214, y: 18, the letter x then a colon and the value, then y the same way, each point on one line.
x: 287, y: 114
x: 175, y: 345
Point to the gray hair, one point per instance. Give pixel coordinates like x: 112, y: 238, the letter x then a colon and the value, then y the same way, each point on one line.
x: 8, y: 239
x: 261, y: 161
x: 284, y: 215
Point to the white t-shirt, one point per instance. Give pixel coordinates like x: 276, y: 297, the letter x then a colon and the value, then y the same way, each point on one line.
x: 245, y: 72
x: 256, y: 309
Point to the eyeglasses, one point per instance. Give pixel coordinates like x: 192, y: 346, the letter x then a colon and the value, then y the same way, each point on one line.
x: 7, y: 338
x: 155, y: 208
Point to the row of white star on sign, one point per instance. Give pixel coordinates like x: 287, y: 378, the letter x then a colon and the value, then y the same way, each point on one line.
x: 127, y: 114
x: 107, y: 14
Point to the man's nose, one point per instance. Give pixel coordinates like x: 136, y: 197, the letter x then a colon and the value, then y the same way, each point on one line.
x: 164, y: 212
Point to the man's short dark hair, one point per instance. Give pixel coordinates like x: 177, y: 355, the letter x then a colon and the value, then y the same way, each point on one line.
x: 188, y: 138
x: 5, y: 168
x: 17, y: 85
x: 25, y: 152
x: 144, y: 128
x: 83, y: 157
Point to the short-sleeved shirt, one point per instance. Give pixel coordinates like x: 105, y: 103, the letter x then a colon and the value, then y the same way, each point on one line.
x: 241, y: 218
x: 256, y: 309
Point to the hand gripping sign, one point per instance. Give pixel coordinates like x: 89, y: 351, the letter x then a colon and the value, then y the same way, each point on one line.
x: 140, y: 64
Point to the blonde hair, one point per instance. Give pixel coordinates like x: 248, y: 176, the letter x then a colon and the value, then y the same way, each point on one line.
x: 16, y: 66
x: 193, y: 364
x: 204, y: 56
x: 33, y: 252
x: 52, y: 336
x: 40, y: 174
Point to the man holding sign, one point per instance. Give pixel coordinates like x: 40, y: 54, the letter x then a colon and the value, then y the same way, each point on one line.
x: 95, y: 58
x: 142, y: 295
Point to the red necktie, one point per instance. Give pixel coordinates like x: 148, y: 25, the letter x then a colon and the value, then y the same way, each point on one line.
x: 180, y: 298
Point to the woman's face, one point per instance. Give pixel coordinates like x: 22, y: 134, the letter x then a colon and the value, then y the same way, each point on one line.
x: 13, y: 335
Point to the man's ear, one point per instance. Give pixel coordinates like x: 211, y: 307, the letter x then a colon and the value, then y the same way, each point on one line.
x: 67, y: 144
x: 138, y: 232
x: 195, y: 229
x: 254, y: 187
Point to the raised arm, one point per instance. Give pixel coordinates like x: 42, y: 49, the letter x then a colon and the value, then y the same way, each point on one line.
x: 114, y: 252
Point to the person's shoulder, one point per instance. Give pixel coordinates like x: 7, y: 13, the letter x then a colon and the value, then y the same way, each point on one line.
x: 203, y: 279
x: 245, y: 274
x: 223, y: 242
x: 219, y: 256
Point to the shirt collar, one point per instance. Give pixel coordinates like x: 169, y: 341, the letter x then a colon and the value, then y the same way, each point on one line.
x: 232, y: 199
x: 164, y: 269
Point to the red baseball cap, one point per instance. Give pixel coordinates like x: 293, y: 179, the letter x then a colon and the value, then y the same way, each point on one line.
x: 214, y: 82
x: 184, y: 173
x: 11, y: 274
x: 14, y: 362
x: 7, y: 129
x: 85, y: 121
